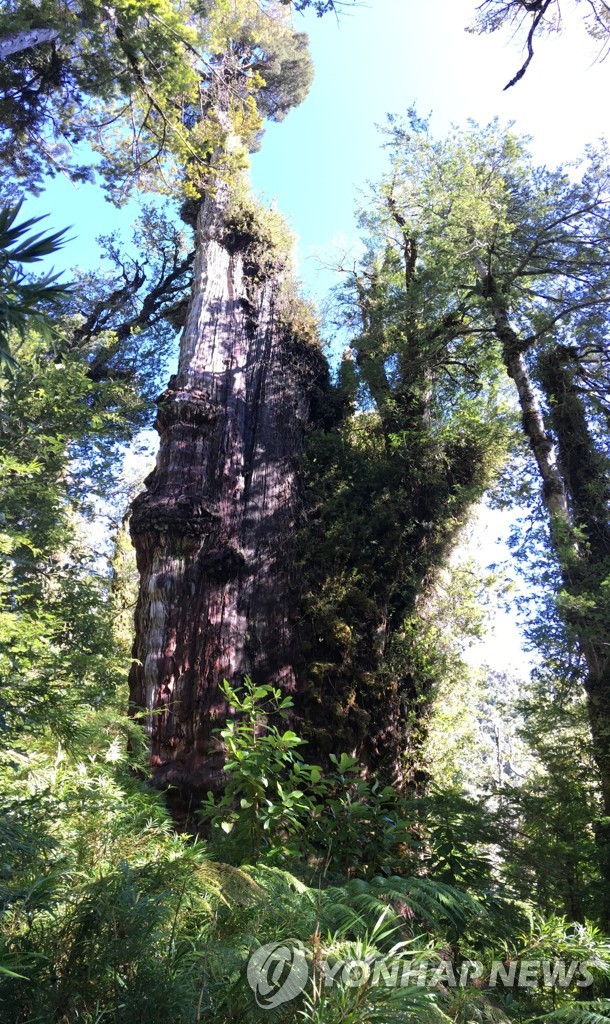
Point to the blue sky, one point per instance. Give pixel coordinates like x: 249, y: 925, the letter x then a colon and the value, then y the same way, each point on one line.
x: 388, y: 54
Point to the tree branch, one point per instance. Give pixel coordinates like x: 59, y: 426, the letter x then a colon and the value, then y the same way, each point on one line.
x: 26, y: 39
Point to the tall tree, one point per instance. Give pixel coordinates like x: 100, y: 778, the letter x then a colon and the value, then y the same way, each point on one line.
x: 526, y: 260
x: 212, y: 532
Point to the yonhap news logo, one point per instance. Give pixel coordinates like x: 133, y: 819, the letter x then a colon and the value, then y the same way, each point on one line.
x: 279, y: 972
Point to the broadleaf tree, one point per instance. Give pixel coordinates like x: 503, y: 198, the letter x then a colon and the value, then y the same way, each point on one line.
x: 524, y: 252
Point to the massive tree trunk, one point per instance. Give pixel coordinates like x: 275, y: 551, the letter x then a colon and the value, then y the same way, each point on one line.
x: 213, y: 531
x: 228, y: 585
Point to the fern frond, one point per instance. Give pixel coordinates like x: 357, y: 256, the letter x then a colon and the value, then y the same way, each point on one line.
x: 595, y: 1011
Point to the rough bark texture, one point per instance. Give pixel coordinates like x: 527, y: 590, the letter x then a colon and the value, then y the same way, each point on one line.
x: 213, y: 531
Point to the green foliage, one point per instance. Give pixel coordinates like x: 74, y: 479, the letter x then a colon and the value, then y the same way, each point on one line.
x: 359, y: 826
x: 277, y: 807
x: 155, y: 87
x: 390, y: 486
x: 107, y: 909
x: 553, y: 850
x: 460, y: 834
x: 261, y: 806
x: 133, y: 58
x: 55, y: 624
x: 64, y: 417
x: 356, y: 1001
x: 260, y: 234
x: 594, y: 1012
x: 108, y: 913
x: 91, y: 913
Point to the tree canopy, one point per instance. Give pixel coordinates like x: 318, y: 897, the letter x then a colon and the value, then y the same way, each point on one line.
x: 138, y: 85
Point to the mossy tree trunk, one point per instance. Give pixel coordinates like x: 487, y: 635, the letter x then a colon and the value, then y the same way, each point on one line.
x: 213, y: 530
x: 586, y: 606
x: 576, y: 496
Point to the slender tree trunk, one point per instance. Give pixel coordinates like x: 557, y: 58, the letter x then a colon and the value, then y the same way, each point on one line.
x: 213, y: 531
x: 577, y: 498
x: 586, y: 475
x: 541, y: 443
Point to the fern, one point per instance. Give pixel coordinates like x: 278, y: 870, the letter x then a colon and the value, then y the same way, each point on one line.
x: 596, y: 1011
x: 412, y: 899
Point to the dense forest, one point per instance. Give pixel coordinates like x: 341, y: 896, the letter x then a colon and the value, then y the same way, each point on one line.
x: 248, y: 770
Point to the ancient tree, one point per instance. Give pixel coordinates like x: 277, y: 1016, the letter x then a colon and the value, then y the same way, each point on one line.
x: 213, y: 531
x: 291, y: 528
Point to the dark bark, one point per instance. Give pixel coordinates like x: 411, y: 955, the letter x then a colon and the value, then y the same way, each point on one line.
x: 214, y: 530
